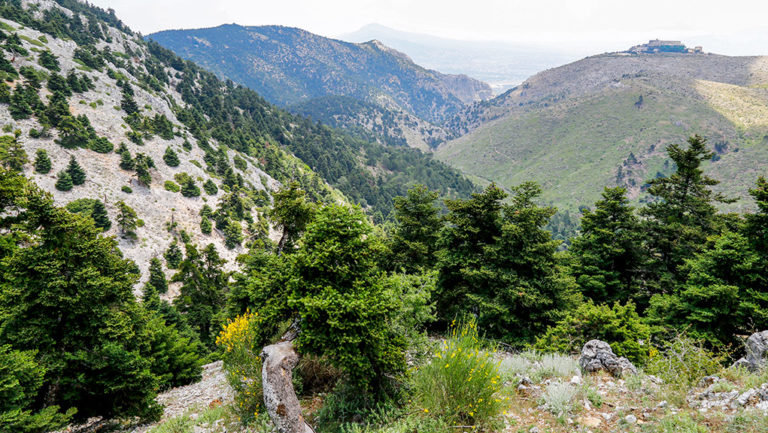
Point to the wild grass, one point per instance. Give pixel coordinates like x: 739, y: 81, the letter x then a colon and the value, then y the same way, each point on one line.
x: 677, y: 423
x: 555, y: 365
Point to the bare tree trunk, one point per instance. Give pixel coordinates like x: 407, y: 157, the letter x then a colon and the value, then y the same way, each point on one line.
x: 279, y: 396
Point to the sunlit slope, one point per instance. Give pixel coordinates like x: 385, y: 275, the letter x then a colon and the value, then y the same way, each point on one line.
x: 599, y: 132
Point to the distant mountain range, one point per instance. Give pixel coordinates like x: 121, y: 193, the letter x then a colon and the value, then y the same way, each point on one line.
x: 290, y: 66
x: 607, y: 120
x: 501, y: 64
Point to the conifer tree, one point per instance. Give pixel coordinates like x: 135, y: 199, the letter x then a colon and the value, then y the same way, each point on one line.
x: 291, y: 213
x: 173, y: 256
x: 202, y: 293
x: 12, y: 154
x: 157, y: 276
x: 210, y: 187
x: 189, y: 189
x: 126, y: 220
x: 42, y: 162
x: 128, y: 104
x: 417, y: 229
x: 64, y: 182
x: 20, y: 107
x: 205, y: 225
x: 608, y: 251
x: 142, y: 172
x: 100, y: 216
x: 170, y: 157
x: 126, y: 162
x: 75, y: 172
x: 683, y: 214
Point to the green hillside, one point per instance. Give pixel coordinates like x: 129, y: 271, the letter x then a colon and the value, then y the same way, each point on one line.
x: 575, y: 135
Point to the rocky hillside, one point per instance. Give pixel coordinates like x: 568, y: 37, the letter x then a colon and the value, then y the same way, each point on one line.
x: 170, y: 140
x: 606, y: 120
x: 291, y: 66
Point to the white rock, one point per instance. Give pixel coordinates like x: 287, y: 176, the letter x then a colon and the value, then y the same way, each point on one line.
x: 630, y: 419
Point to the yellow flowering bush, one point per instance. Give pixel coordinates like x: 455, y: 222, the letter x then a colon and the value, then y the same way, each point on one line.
x: 243, y: 364
x: 462, y: 383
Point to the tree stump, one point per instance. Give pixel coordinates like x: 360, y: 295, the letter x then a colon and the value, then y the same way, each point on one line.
x: 277, y: 381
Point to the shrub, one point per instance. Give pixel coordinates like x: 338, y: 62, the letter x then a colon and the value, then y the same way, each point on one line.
x: 126, y: 189
x: 243, y: 364
x: 172, y: 186
x: 462, y: 383
x: 558, y: 397
x: 620, y: 326
x: 556, y: 365
x: 101, y: 145
x: 64, y: 182
x: 683, y: 362
x: 170, y: 157
x: 42, y: 162
x: 210, y: 187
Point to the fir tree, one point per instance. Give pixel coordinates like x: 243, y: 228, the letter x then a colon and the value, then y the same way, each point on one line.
x: 205, y: 225
x: 189, y: 189
x: 418, y: 224
x: 128, y: 104
x: 42, y: 162
x: 157, y: 276
x: 210, y: 187
x: 126, y: 162
x: 100, y: 216
x: 142, y: 172
x: 64, y: 182
x: 170, y: 157
x: 608, y: 251
x: 291, y: 213
x: 20, y: 107
x: 126, y: 220
x: 173, y: 256
x: 683, y: 214
x: 12, y: 153
x: 76, y: 172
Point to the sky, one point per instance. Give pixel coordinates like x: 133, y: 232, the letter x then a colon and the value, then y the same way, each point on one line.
x: 735, y: 27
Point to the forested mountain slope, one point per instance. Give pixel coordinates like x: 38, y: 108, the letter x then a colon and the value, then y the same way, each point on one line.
x: 169, y: 139
x: 290, y: 66
x: 607, y: 119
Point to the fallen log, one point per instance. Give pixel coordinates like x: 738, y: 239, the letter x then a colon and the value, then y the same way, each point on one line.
x: 277, y: 381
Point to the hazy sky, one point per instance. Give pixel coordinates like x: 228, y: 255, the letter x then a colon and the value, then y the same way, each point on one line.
x: 738, y: 26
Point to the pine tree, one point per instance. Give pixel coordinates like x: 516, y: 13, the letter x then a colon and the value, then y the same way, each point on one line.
x: 100, y: 216
x: 128, y: 104
x: 126, y: 220
x: 170, y: 157
x: 20, y: 108
x: 756, y: 227
x: 64, y: 182
x: 142, y: 171
x: 417, y: 228
x: 608, y: 251
x: 75, y: 172
x: 42, y: 162
x: 173, y: 256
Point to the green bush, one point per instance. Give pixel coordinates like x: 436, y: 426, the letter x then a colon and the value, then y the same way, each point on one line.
x: 462, y: 383
x: 172, y: 186
x: 126, y: 189
x: 683, y: 362
x: 619, y: 326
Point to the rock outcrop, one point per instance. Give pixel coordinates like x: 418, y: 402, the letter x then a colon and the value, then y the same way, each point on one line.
x: 597, y: 355
x: 757, y: 345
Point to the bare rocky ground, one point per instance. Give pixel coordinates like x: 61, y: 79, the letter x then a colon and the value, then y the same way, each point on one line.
x: 155, y: 206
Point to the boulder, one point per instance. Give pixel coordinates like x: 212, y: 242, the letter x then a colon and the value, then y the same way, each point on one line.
x: 757, y: 345
x: 597, y: 355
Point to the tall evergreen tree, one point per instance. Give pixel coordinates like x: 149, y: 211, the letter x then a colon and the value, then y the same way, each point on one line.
x: 126, y: 161
x: 756, y: 227
x: 42, y: 162
x: 608, y: 252
x: 173, y: 256
x: 683, y: 214
x: 100, y: 216
x: 203, y: 289
x: 75, y: 172
x: 12, y: 154
x: 189, y: 189
x: 157, y: 276
x: 417, y: 229
x: 126, y: 220
x: 291, y: 213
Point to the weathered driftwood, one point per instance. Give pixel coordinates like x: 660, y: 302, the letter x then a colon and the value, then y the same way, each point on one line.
x: 277, y: 381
